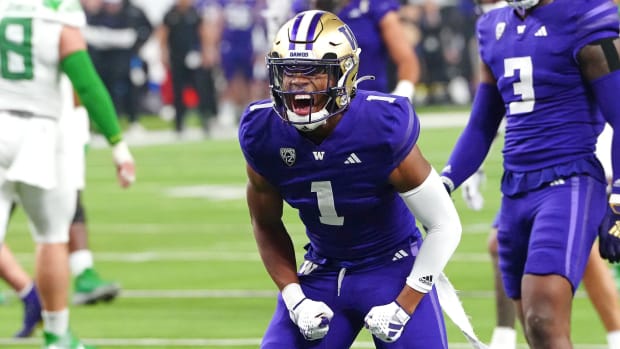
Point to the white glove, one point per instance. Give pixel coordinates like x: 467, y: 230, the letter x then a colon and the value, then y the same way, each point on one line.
x: 310, y: 316
x: 404, y: 88
x: 386, y: 322
x: 470, y: 189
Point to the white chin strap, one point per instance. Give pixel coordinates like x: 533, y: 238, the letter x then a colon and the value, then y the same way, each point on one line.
x: 297, y: 120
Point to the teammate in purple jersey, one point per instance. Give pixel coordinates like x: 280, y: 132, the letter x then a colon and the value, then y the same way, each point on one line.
x: 550, y: 66
x: 347, y: 160
x: 376, y: 24
x: 236, y: 25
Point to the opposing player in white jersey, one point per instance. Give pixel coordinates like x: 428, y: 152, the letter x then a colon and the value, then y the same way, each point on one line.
x: 39, y: 40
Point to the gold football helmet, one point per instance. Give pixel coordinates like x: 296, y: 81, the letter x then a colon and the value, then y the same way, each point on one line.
x: 312, y: 43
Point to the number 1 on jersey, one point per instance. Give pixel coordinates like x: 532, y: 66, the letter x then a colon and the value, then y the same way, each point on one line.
x: 327, y: 206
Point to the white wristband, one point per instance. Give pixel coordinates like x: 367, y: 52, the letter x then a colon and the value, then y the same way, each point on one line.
x: 292, y: 294
x: 121, y: 153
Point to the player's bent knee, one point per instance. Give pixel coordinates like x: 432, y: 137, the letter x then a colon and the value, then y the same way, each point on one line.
x: 538, y: 326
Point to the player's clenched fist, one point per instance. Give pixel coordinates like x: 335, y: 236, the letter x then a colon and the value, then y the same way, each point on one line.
x: 310, y: 316
x: 609, y: 231
x: 387, y: 322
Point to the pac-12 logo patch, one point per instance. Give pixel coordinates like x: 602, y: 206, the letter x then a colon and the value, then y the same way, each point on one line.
x: 499, y: 30
x: 288, y: 156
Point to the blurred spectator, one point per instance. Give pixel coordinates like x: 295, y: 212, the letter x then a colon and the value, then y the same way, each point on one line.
x: 240, y: 35
x: 115, y: 33
x: 432, y: 53
x: 187, y: 52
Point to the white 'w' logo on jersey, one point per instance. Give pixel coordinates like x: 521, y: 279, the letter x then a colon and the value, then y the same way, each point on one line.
x: 318, y: 155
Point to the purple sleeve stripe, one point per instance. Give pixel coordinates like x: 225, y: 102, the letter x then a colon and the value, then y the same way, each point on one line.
x: 594, y: 13
x: 611, y: 19
x: 413, y: 130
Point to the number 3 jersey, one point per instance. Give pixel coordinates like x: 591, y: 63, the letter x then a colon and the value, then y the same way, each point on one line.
x: 339, y: 186
x: 29, y: 53
x: 551, y: 117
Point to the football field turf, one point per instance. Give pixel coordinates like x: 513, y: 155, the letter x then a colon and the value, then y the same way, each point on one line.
x: 181, y: 245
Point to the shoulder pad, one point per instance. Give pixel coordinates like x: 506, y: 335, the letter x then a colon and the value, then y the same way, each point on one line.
x: 67, y: 12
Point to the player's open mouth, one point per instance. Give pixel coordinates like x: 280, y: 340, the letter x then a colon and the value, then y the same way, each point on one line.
x: 302, y: 104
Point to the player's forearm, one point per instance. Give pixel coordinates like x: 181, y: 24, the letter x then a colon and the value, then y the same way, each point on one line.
x: 434, y: 209
x: 474, y: 143
x: 93, y: 94
x: 605, y: 90
x: 277, y: 253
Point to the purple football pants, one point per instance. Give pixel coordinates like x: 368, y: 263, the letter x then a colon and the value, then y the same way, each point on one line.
x: 549, y: 231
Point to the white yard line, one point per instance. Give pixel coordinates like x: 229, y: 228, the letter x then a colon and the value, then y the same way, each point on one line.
x: 206, y: 256
x: 249, y: 294
x: 221, y: 342
x: 202, y: 228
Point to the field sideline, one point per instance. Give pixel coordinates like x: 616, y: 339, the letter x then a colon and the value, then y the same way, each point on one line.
x: 181, y: 245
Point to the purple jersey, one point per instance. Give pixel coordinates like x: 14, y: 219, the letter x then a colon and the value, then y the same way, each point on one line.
x: 551, y: 117
x: 363, y: 17
x: 340, y: 186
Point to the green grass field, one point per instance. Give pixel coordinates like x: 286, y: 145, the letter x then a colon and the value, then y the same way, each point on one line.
x: 180, y: 243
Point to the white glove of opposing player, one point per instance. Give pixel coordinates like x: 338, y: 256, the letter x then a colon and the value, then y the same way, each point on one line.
x: 386, y: 322
x: 310, y: 316
x: 404, y: 88
x: 470, y: 189
x: 125, y: 165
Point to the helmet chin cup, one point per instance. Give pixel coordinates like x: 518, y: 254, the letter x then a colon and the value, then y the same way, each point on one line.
x: 522, y: 5
x: 304, y: 122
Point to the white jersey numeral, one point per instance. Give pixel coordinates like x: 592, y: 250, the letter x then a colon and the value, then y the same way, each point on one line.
x: 327, y: 206
x: 524, y: 87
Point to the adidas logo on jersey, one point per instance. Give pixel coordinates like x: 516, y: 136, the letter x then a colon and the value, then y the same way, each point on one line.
x: 541, y: 32
x: 353, y: 159
x: 307, y: 267
x: 427, y: 280
x: 399, y: 255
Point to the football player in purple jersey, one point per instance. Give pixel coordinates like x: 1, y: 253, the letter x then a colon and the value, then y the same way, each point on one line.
x: 552, y: 68
x: 376, y: 24
x: 347, y: 160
